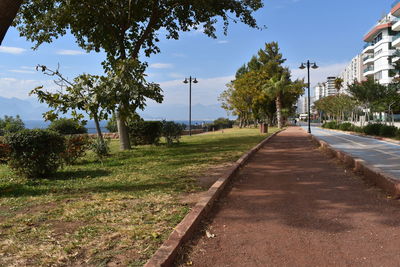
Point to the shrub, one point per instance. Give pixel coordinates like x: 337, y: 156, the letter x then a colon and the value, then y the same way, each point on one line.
x: 398, y: 134
x: 387, y: 131
x: 67, y: 126
x: 172, y: 131
x: 35, y: 153
x: 100, y: 147
x: 373, y: 128
x: 346, y: 126
x: 112, y: 125
x: 222, y: 123
x: 330, y: 125
x: 75, y: 147
x: 358, y: 129
x: 5, y: 151
x: 145, y: 132
x: 11, y: 125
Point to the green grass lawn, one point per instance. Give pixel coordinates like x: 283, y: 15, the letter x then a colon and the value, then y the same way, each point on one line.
x: 119, y: 210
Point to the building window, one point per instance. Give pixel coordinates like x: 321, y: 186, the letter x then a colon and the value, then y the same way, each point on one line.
x: 378, y: 75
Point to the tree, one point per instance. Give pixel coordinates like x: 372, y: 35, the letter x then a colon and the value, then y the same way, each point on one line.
x: 338, y: 83
x: 367, y: 93
x: 8, y: 11
x: 124, y: 29
x: 262, y: 88
x: 11, y: 125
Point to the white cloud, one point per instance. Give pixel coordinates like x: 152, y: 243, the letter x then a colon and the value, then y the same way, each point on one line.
x: 205, y: 92
x: 67, y: 52
x: 176, y: 75
x: 223, y: 42
x: 161, y: 66
x: 11, y: 50
x: 11, y: 87
x: 320, y: 74
x: 24, y: 71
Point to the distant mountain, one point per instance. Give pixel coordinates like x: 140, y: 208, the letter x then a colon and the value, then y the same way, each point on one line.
x: 30, y: 109
x: 181, y: 112
x: 26, y: 109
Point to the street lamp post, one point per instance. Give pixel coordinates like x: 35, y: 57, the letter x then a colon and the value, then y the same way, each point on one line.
x: 189, y: 81
x: 303, y: 66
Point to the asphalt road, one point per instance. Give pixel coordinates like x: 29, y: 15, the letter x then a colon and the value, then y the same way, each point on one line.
x: 380, y: 154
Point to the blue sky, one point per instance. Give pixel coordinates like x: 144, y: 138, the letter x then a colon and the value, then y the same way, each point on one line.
x: 328, y: 32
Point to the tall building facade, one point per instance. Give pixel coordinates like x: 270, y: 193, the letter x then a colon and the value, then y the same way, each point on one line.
x: 330, y: 86
x: 352, y: 73
x: 378, y: 49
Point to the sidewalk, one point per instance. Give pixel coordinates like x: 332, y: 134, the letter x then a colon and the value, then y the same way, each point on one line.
x: 293, y: 206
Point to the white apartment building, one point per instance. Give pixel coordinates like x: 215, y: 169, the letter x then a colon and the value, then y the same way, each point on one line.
x: 330, y: 86
x: 319, y: 91
x: 352, y: 73
x: 378, y: 49
x: 395, y: 11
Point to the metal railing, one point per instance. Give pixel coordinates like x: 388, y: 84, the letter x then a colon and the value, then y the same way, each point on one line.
x: 370, y: 68
x: 367, y: 57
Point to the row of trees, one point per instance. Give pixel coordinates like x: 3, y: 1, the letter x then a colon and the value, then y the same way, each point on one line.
x: 366, y: 97
x: 263, y: 90
x: 124, y: 30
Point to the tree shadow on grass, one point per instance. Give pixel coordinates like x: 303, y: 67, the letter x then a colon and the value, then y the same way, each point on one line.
x: 79, y: 174
x: 25, y: 190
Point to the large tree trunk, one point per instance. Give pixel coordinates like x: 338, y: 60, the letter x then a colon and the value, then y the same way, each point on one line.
x: 8, y: 11
x: 279, y: 111
x: 124, y: 143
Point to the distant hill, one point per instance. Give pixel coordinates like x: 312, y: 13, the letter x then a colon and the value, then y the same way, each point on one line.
x: 30, y: 109
x: 27, y: 109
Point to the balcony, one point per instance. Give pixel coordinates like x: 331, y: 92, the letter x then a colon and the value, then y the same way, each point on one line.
x: 396, y: 40
x: 369, y: 71
x: 368, y: 59
x: 395, y: 11
x: 368, y: 48
x: 396, y: 26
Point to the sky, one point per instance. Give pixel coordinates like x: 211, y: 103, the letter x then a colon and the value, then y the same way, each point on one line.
x: 327, y: 32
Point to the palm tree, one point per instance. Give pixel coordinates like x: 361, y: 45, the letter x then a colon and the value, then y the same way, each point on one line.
x: 338, y: 83
x: 275, y: 88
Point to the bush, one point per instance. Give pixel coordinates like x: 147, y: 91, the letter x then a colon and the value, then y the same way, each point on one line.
x: 35, y: 153
x: 172, y: 131
x: 11, y: 125
x: 75, y: 147
x: 5, y: 151
x: 358, y: 129
x: 222, y: 123
x: 373, y: 128
x: 67, y: 126
x: 346, y: 126
x: 398, y: 134
x: 145, y: 132
x: 330, y: 125
x: 387, y: 131
x: 112, y: 125
x: 100, y: 147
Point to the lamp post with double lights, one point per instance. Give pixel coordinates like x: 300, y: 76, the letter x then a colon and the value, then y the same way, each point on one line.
x: 189, y: 81
x: 307, y: 65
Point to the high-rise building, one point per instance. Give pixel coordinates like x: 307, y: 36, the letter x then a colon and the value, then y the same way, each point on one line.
x: 330, y: 86
x: 320, y: 91
x: 352, y: 73
x: 378, y: 50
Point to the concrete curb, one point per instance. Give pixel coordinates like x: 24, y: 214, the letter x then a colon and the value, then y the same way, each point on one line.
x: 374, y: 175
x: 168, y: 251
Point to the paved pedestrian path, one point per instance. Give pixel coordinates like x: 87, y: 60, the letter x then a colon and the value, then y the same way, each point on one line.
x: 377, y: 153
x: 293, y: 206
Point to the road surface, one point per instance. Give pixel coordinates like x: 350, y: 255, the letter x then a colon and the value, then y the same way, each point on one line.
x: 377, y: 153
